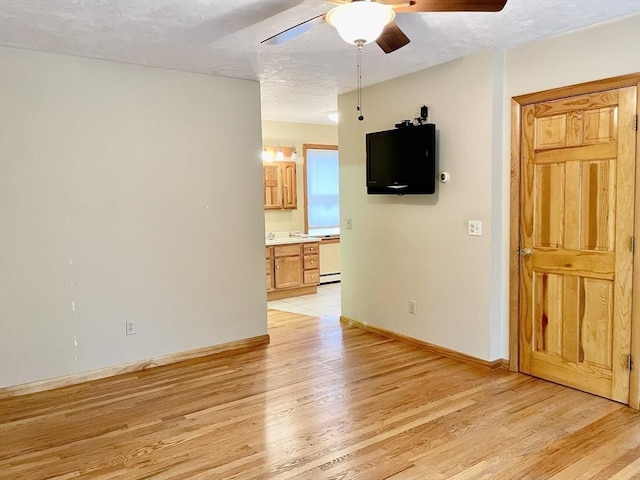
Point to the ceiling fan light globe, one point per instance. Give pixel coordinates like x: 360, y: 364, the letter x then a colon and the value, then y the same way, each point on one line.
x: 361, y: 22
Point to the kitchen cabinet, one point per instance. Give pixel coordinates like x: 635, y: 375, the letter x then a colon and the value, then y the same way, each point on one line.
x: 289, y: 190
x: 311, y: 264
x: 268, y: 254
x: 288, y: 271
x: 271, y: 185
x: 292, y: 269
x: 279, y: 184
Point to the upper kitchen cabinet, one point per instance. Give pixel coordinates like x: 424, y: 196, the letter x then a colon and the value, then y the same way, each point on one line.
x: 280, y: 192
x: 289, y: 192
x: 271, y: 185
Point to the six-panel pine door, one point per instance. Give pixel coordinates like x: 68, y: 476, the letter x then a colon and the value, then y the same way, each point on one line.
x: 576, y: 225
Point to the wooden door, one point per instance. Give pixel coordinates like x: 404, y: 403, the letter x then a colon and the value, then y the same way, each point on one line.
x: 577, y: 208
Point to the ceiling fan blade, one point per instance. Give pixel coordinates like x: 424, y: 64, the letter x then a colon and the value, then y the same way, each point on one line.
x: 392, y: 38
x: 395, y: 4
x: 293, y: 32
x: 453, y: 6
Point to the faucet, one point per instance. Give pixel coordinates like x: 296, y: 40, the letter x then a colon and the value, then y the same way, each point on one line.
x: 271, y: 236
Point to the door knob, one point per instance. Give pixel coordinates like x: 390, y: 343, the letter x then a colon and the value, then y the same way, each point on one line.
x: 525, y: 252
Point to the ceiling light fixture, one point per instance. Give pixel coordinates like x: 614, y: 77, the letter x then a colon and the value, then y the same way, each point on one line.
x: 360, y: 22
x: 333, y: 116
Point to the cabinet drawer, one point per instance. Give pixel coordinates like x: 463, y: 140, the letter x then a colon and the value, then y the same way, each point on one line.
x: 286, y: 250
x: 311, y: 277
x: 310, y: 248
x: 311, y: 262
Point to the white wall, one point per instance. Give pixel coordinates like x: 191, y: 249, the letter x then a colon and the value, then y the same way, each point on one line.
x: 288, y: 134
x: 125, y: 193
x: 606, y: 50
x: 417, y: 248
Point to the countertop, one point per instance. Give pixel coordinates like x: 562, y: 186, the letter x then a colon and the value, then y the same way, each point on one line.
x: 289, y: 240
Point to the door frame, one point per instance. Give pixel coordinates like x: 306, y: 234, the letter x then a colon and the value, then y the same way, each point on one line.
x: 517, y: 104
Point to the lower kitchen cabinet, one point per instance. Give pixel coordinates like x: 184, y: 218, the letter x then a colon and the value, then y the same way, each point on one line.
x: 292, y: 269
x: 268, y: 253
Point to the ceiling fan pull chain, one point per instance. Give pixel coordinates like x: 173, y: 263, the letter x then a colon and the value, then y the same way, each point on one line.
x: 359, y: 83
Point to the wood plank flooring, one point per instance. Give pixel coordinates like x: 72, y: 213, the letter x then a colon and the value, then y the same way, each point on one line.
x: 322, y: 401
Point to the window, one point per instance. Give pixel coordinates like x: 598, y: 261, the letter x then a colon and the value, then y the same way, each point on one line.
x: 322, y: 206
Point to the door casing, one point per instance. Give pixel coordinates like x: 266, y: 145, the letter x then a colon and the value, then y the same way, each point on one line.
x: 517, y: 103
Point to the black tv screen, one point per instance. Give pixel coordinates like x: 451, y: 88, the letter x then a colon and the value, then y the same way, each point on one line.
x: 402, y: 161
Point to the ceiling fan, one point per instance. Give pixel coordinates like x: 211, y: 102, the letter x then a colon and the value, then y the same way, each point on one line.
x: 363, y: 21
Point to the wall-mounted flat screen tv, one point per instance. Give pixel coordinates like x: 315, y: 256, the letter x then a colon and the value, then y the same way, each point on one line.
x: 402, y: 161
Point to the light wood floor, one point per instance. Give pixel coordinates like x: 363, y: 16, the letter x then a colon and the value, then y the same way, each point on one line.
x: 323, y: 401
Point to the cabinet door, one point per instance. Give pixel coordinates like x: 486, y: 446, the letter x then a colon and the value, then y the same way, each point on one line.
x: 272, y: 185
x: 289, y: 191
x: 268, y: 260
x: 288, y: 272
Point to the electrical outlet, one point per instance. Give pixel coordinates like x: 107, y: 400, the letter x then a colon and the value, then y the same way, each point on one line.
x: 412, y: 307
x: 475, y: 228
x: 131, y: 327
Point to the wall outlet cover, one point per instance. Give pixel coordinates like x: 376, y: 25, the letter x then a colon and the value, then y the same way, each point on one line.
x: 475, y: 228
x: 131, y: 327
x: 412, y: 307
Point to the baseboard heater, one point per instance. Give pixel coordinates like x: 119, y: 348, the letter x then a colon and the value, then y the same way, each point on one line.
x: 332, y: 277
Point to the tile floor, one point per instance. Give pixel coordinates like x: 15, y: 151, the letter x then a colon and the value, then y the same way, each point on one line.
x: 324, y: 304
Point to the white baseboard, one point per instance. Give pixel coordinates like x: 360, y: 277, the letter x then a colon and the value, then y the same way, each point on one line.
x: 329, y: 277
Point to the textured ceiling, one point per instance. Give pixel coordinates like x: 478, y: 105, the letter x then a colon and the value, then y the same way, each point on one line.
x: 300, y: 80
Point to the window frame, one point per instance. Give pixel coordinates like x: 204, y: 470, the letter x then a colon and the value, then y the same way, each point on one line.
x: 305, y: 147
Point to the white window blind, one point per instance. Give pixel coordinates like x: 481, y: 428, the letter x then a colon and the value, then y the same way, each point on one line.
x: 323, y: 201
